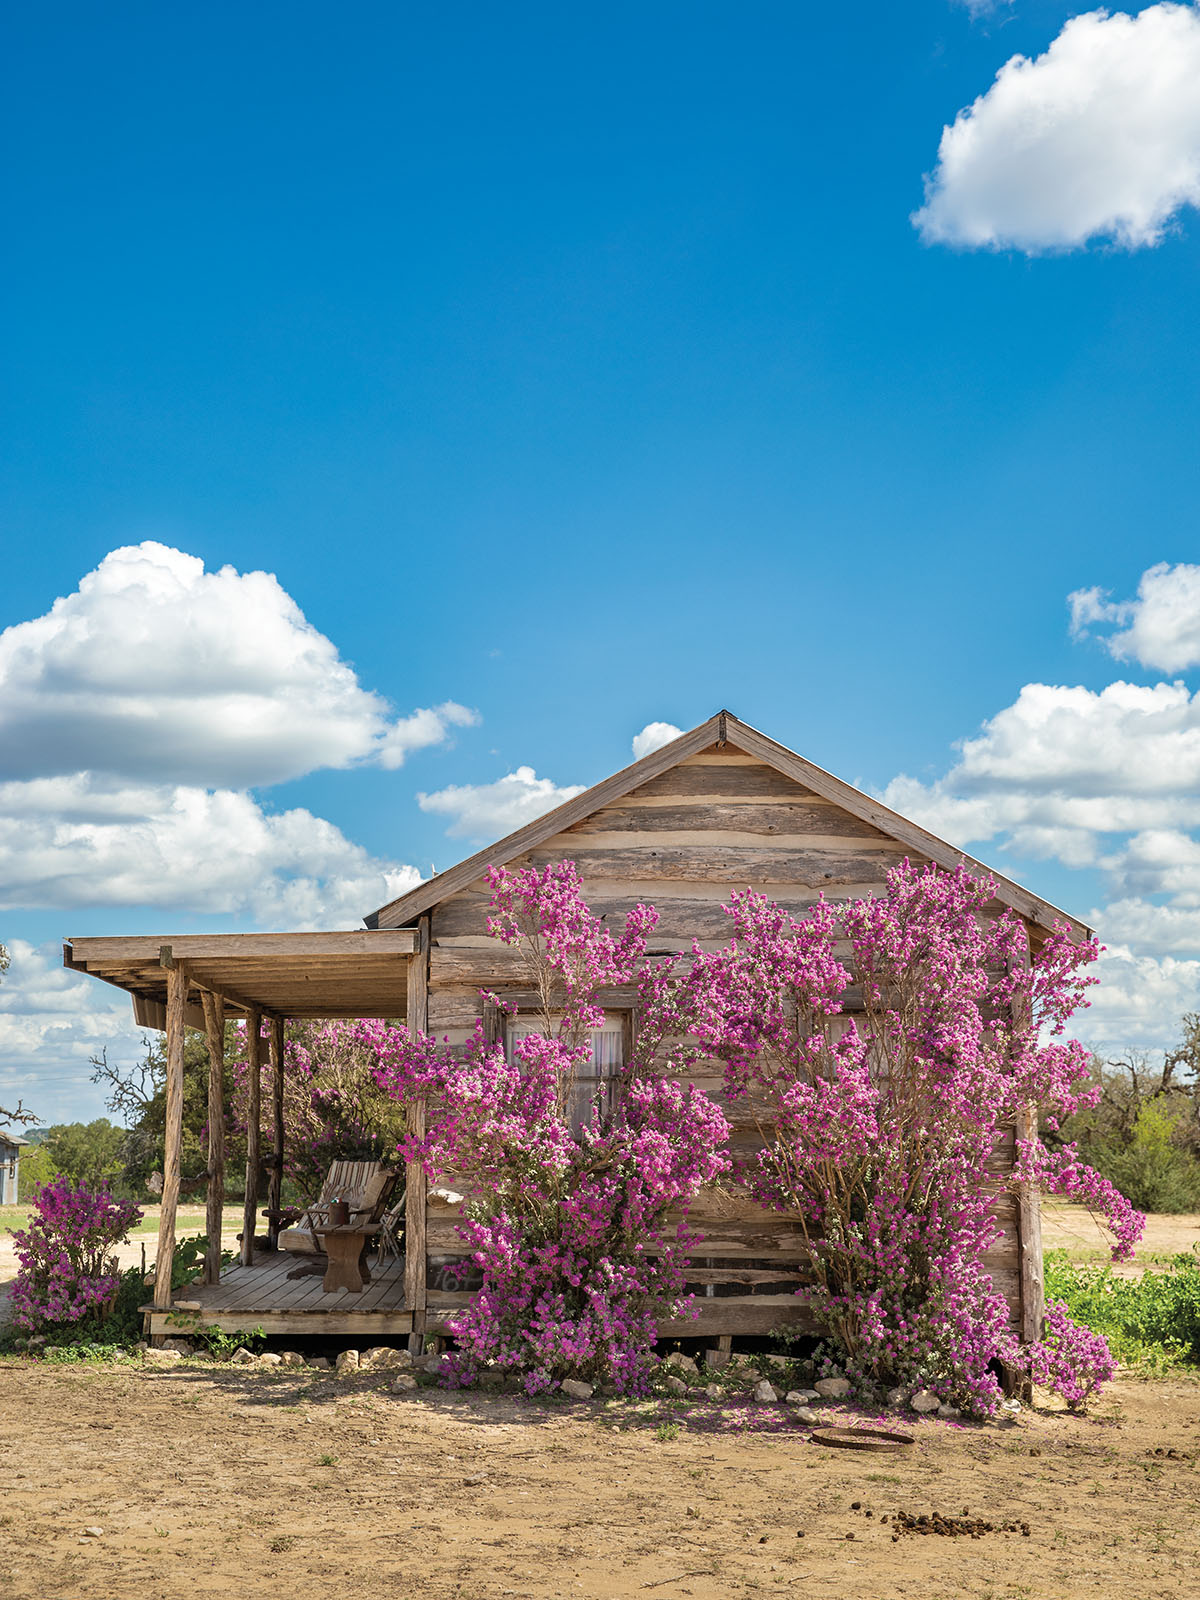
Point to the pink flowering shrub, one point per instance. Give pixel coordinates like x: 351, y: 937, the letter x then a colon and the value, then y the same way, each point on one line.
x: 332, y: 1105
x: 66, y: 1271
x: 882, y: 1137
x: 1071, y: 1360
x: 568, y: 1230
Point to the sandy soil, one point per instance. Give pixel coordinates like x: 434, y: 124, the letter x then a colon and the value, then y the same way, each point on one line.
x: 232, y: 1482
x: 1071, y: 1228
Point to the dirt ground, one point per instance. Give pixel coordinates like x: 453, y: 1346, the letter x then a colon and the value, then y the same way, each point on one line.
x: 1072, y: 1228
x: 234, y: 1482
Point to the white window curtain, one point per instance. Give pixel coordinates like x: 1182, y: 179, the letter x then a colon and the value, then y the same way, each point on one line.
x: 608, y: 1057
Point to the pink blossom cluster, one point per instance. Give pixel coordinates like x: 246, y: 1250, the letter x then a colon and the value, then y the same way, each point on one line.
x: 66, y: 1271
x: 882, y: 1131
x: 1071, y: 1360
x: 1062, y: 1172
x: 569, y: 1232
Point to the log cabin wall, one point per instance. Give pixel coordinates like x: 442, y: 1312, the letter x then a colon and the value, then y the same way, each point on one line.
x: 717, y: 821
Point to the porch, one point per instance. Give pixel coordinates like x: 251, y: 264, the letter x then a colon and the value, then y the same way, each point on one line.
x: 262, y: 1294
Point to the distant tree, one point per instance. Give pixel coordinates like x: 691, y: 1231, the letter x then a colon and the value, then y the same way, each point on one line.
x: 35, y: 1169
x: 86, y: 1152
x: 137, y: 1095
x: 1143, y: 1133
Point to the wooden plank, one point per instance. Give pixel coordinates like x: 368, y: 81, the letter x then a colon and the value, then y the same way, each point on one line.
x: 253, y: 1134
x: 240, y: 946
x: 302, y: 1324
x: 723, y: 780
x: 787, y: 817
x: 680, y: 918
x: 275, y: 1186
x: 416, y: 1184
x: 730, y: 864
x: 214, y: 1031
x: 177, y: 986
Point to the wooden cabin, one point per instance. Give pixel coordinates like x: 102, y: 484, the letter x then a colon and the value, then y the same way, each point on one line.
x: 720, y: 808
x: 10, y: 1167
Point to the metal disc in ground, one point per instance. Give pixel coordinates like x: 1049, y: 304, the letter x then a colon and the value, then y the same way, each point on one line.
x: 863, y: 1439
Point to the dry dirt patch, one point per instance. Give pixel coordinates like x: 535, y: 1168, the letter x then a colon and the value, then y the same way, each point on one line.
x: 210, y: 1481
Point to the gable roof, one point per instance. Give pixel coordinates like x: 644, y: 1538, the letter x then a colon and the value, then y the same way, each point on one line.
x: 722, y: 729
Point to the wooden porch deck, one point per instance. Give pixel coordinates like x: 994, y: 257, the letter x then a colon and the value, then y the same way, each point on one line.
x: 262, y: 1296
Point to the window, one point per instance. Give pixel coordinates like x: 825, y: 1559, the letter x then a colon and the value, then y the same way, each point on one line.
x: 608, y: 1057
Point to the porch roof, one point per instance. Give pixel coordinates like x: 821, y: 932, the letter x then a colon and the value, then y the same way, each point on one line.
x: 363, y: 973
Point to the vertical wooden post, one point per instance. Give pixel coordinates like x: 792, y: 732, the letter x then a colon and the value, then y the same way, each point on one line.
x: 177, y: 986
x: 1029, y: 1226
x: 214, y: 1029
x: 416, y: 1185
x: 253, y: 1134
x: 275, y: 1189
x: 1029, y: 1231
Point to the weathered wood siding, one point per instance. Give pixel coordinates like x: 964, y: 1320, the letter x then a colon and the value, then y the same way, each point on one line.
x: 718, y: 821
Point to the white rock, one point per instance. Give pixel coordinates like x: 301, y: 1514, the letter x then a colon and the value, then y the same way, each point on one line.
x: 806, y: 1414
x: 810, y: 1395
x: 925, y: 1401
x: 675, y: 1385
x: 347, y: 1361
x: 163, y: 1358
x: 431, y: 1364
x: 291, y: 1358
x: 93, y: 1533
x: 795, y: 1397
x: 241, y: 1357
x: 577, y: 1389
x: 832, y: 1388
x: 897, y: 1398
x: 765, y: 1394
x: 714, y: 1391
x: 180, y: 1345
x: 383, y: 1356
x: 269, y: 1358
x: 403, y: 1381
x: 951, y: 1413
x: 681, y: 1363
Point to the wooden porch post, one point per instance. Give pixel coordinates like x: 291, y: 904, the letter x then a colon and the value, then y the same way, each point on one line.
x: 416, y: 1186
x: 253, y: 1134
x: 214, y: 1029
x: 275, y: 1188
x: 177, y: 986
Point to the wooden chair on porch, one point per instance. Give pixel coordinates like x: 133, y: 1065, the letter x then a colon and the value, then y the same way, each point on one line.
x: 365, y: 1186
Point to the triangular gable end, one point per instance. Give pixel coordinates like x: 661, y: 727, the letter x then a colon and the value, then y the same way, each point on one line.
x: 722, y: 730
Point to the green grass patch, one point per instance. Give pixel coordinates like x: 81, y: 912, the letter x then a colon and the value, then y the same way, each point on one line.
x: 1151, y: 1323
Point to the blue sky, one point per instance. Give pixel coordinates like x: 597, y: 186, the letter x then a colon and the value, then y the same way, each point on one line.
x: 582, y: 368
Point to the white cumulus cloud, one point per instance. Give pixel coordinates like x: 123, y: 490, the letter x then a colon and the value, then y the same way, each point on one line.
x: 1097, y: 139
x: 652, y: 737
x: 1160, y: 629
x: 487, y: 811
x: 154, y: 669
x: 51, y: 1021
x: 86, y: 841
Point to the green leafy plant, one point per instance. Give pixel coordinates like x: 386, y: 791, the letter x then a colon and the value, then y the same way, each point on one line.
x: 1151, y: 1323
